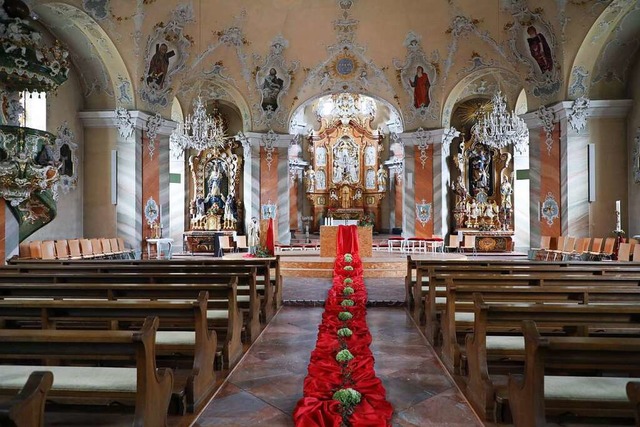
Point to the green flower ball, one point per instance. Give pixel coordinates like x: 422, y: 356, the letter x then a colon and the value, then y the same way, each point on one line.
x: 347, y: 397
x: 344, y: 356
x: 344, y: 315
x: 348, y: 258
x: 348, y: 280
x: 347, y: 303
x: 348, y: 268
x: 345, y: 332
x: 348, y: 290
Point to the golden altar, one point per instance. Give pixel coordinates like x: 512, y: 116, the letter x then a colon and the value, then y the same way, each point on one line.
x: 328, y: 241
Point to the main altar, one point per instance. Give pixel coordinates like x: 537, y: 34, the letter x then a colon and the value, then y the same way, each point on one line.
x: 346, y: 179
x: 483, y: 192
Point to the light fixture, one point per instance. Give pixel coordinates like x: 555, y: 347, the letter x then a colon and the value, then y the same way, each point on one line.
x: 200, y: 131
x: 500, y: 128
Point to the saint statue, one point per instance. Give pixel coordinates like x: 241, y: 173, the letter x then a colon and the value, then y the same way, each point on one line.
x: 310, y: 176
x: 215, y: 178
x: 480, y: 171
x: 253, y: 235
x: 382, y: 179
x: 506, y: 191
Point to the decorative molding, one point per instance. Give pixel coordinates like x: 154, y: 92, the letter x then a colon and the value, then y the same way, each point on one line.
x: 151, y: 212
x: 423, y: 212
x: 448, y: 135
x: 548, y: 119
x: 151, y: 129
x: 579, y: 112
x: 636, y: 157
x: 67, y: 158
x: 124, y: 123
x: 273, y: 88
x: 549, y: 209
x: 406, y: 73
x: 268, y: 143
x: 580, y: 76
x: 423, y: 137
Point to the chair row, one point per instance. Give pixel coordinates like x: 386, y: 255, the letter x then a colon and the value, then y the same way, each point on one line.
x: 412, y: 244
x: 586, y: 248
x: 73, y: 249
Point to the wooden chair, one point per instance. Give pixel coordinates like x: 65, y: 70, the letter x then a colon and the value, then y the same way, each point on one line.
x: 569, y: 248
x: 127, y: 253
x: 48, y: 249
x: 545, y: 242
x: 241, y: 243
x: 225, y: 245
x: 106, y: 248
x: 636, y: 253
x: 24, y: 250
x: 96, y: 248
x: 609, y: 244
x: 624, y: 250
x: 35, y: 249
x: 469, y: 244
x: 62, y: 249
x: 74, y: 249
x: 454, y: 244
x: 596, y: 247
x: 113, y: 243
x: 87, y: 249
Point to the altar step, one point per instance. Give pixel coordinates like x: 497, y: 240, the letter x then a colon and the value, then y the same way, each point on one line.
x: 322, y: 268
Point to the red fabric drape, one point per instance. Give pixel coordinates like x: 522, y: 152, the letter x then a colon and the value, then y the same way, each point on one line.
x: 269, y: 243
x: 325, y: 374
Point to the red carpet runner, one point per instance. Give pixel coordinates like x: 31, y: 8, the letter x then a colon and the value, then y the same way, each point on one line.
x: 341, y: 388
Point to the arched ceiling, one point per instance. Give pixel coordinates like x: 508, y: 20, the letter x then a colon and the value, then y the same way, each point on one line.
x: 320, y: 47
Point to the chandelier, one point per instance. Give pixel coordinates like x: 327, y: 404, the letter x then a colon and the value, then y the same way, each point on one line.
x: 200, y: 131
x: 499, y: 128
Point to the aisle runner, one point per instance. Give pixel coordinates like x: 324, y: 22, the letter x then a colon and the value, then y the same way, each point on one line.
x: 341, y: 388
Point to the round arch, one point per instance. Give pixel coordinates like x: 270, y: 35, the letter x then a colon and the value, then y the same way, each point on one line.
x: 457, y: 94
x: 71, y: 24
x: 592, y: 46
x: 398, y: 126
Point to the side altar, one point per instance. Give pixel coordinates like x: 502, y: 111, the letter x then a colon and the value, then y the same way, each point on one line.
x: 328, y: 243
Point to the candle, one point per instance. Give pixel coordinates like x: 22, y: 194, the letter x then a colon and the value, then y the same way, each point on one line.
x: 618, y: 225
x: 617, y: 205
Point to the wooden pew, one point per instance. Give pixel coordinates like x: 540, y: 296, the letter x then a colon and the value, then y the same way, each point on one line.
x: 183, y: 330
x: 222, y: 313
x: 574, y: 393
x: 633, y: 392
x: 496, y: 344
x: 26, y: 409
x: 145, y: 385
x: 436, y: 298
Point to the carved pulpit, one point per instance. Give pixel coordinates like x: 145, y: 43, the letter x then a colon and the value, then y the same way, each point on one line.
x: 345, y: 179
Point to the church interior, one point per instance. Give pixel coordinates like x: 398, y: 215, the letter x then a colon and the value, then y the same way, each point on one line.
x: 478, y: 161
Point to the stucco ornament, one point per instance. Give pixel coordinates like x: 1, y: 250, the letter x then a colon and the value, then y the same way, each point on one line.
x: 124, y: 123
x: 273, y: 80
x: 418, y: 76
x: 550, y: 210
x: 548, y: 119
x: 151, y: 128
x: 424, y: 138
x: 268, y: 143
x: 579, y: 86
x: 166, y: 55
x: 579, y: 112
x: 448, y: 135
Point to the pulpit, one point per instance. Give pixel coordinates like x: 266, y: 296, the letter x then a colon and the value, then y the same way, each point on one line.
x: 328, y: 241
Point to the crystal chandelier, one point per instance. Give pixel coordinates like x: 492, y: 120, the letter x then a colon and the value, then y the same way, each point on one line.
x: 200, y: 131
x: 499, y: 128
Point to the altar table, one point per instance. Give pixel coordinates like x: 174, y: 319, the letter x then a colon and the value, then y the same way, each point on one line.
x: 329, y: 234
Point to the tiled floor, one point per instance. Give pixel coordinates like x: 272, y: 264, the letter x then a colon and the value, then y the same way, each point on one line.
x: 266, y: 385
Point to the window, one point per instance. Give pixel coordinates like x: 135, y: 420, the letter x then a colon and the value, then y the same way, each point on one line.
x: 35, y: 110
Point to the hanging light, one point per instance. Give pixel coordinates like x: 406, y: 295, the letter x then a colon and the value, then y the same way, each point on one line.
x: 200, y: 131
x: 500, y: 128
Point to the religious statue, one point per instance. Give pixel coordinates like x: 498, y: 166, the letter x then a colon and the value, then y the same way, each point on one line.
x: 215, y: 178
x: 369, y: 156
x: 506, y: 191
x: 382, y: 178
x: 345, y: 197
x: 253, y: 235
x: 460, y: 191
x: 480, y: 171
x: 321, y: 181
x: 200, y: 209
x: 310, y: 176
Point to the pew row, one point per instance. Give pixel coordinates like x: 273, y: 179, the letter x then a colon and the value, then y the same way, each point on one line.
x: 147, y: 387
x: 496, y: 345
x: 26, y: 409
x: 535, y: 395
x: 222, y: 309
x: 183, y: 332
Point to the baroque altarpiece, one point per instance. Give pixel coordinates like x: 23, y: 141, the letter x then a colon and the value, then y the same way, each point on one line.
x: 483, y: 190
x: 345, y: 179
